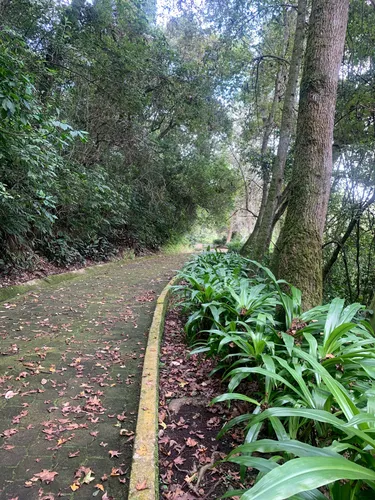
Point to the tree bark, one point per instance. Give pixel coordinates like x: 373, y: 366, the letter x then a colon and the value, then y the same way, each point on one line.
x: 281, y: 207
x: 299, y: 256
x: 263, y: 237
x: 230, y: 232
x: 247, y: 248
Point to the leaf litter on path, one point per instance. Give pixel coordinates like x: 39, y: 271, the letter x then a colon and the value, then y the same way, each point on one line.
x: 70, y: 381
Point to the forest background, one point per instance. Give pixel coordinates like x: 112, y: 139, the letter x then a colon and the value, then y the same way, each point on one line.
x: 127, y: 124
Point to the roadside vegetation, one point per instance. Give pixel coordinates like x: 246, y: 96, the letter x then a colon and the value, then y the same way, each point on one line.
x: 310, y: 421
x: 110, y: 137
x: 138, y: 125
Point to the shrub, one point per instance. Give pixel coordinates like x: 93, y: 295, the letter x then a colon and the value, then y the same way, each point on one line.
x: 315, y: 373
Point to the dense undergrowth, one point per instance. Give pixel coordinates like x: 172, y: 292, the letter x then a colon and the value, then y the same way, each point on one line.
x: 311, y: 419
x: 108, y: 137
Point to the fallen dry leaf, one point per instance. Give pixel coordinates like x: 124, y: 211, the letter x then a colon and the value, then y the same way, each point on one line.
x: 88, y: 478
x: 46, y: 476
x: 114, y: 453
x: 141, y: 485
x: 7, y: 447
x: 9, y: 432
x: 17, y: 418
x: 10, y: 394
x: 191, y: 442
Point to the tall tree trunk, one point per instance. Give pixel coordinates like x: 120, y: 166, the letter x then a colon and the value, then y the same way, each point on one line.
x: 247, y: 248
x: 263, y: 238
x: 299, y: 256
x: 230, y: 231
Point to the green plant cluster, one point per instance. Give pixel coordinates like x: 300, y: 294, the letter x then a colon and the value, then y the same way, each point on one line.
x: 311, y: 419
x: 47, y: 204
x: 235, y: 245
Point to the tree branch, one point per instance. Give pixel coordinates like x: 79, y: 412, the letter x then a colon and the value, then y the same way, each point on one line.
x: 259, y: 59
x: 282, y: 205
x: 340, y: 244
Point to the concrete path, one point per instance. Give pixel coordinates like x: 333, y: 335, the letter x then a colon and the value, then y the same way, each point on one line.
x: 70, y: 367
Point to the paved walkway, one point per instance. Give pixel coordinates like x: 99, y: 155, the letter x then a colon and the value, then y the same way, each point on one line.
x: 70, y: 370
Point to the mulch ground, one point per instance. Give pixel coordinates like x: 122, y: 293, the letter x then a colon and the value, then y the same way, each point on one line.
x: 189, y: 453
x: 71, y: 359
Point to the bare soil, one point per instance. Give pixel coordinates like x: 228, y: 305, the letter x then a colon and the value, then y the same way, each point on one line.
x: 190, y: 455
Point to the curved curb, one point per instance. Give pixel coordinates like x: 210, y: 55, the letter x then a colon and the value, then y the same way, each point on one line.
x: 145, y: 471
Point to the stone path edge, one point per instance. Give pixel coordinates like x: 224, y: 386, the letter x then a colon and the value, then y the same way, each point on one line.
x: 145, y: 469
x: 12, y: 291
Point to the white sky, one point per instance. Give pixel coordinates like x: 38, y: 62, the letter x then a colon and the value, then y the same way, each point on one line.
x: 168, y: 8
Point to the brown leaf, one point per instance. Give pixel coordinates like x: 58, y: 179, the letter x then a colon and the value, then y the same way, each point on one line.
x: 74, y: 454
x: 82, y: 471
x: 114, y: 453
x: 46, y: 475
x: 141, y: 485
x: 10, y: 394
x: 7, y: 447
x: 94, y: 401
x: 9, y: 432
x: 191, y: 442
x: 17, y: 418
